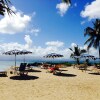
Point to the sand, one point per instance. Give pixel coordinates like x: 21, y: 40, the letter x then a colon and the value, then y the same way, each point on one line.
x: 72, y: 84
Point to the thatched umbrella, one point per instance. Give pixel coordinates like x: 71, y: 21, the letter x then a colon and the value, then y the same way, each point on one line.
x: 53, y: 55
x: 87, y: 56
x: 13, y: 52
x: 24, y: 52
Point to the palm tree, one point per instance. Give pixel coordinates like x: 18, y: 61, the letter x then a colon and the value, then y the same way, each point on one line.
x: 77, y: 52
x: 5, y: 6
x: 94, y: 35
x: 67, y: 1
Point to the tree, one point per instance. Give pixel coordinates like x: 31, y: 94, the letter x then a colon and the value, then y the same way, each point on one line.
x: 94, y: 35
x: 77, y: 52
x: 5, y: 6
x: 67, y: 1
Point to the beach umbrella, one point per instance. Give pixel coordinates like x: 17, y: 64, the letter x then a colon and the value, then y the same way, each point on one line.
x: 76, y: 57
x: 13, y: 52
x: 87, y: 56
x: 24, y: 52
x: 96, y: 58
x: 53, y: 55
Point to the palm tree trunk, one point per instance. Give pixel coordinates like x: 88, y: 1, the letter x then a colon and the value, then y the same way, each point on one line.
x: 78, y: 61
x: 99, y: 49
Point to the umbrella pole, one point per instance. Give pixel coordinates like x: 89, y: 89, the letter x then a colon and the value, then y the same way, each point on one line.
x: 15, y: 60
x: 24, y: 58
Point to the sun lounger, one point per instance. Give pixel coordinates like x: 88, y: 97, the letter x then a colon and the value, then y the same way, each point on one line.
x: 95, y: 69
x: 56, y: 72
x: 54, y: 69
x: 2, y: 72
x: 21, y: 70
x: 82, y: 67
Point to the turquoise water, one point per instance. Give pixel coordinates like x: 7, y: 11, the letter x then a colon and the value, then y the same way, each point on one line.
x: 4, y: 65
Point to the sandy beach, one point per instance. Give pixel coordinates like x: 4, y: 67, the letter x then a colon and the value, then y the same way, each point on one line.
x: 72, y: 84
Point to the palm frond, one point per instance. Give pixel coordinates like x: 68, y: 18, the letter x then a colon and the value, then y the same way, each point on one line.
x: 96, y: 43
x: 77, y: 51
x: 94, y: 34
x: 71, y: 55
x: 67, y: 1
x: 71, y: 49
x: 88, y: 40
x: 5, y: 6
x: 90, y: 44
x: 88, y: 31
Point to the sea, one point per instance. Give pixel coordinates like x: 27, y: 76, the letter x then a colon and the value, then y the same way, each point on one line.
x: 5, y: 64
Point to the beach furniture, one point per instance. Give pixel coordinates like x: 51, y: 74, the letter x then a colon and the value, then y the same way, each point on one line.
x: 29, y: 66
x: 82, y: 67
x: 95, y: 69
x: 22, y: 69
x: 57, y: 70
x: 45, y: 66
x: 3, y: 72
x: 54, y: 69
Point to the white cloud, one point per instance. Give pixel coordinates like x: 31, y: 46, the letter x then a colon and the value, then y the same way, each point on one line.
x: 55, y: 43
x: 34, y: 31
x: 10, y: 46
x: 28, y: 41
x: 83, y: 22
x: 92, y: 10
x: 91, y: 51
x: 14, y: 23
x: 62, y: 8
x: 14, y: 45
x: 73, y: 45
x: 39, y: 52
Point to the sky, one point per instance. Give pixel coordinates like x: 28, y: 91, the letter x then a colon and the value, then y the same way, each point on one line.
x: 48, y: 26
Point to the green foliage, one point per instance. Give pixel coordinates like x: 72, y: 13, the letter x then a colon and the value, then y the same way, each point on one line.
x: 94, y: 35
x: 77, y: 52
x: 67, y: 64
x: 67, y: 1
x: 5, y: 6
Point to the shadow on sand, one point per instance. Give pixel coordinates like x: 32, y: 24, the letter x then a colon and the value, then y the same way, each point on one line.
x: 66, y: 75
x: 34, y: 70
x: 25, y: 77
x: 95, y: 73
x: 3, y: 75
x: 63, y: 70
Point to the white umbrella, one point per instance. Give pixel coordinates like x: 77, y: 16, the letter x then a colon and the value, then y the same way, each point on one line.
x: 13, y: 52
x: 24, y: 52
x: 87, y: 56
x: 53, y: 55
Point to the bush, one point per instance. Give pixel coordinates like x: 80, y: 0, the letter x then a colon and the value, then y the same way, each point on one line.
x: 67, y: 64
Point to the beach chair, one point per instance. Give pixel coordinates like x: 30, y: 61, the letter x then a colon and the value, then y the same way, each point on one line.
x: 21, y: 70
x: 56, y: 69
x: 3, y: 72
x: 29, y: 66
x: 95, y: 69
x: 82, y: 67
